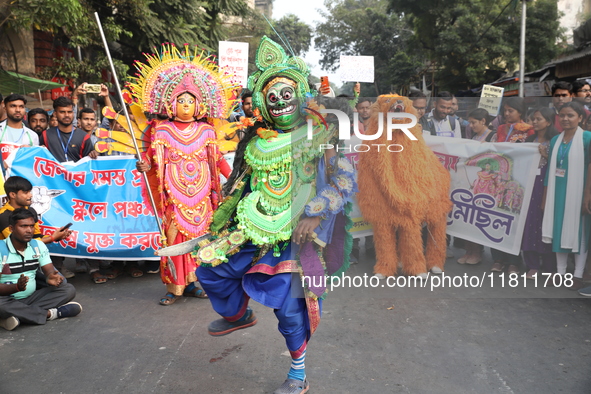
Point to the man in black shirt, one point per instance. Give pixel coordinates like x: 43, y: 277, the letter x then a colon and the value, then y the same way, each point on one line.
x: 65, y: 142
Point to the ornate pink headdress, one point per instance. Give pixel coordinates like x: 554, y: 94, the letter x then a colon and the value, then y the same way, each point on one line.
x: 170, y: 73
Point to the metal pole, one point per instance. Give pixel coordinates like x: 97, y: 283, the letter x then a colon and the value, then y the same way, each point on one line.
x: 137, y: 149
x: 522, y: 50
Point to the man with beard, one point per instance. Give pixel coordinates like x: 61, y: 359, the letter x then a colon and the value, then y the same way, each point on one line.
x: 582, y: 94
x: 452, y: 114
x: 363, y: 109
x: 13, y: 132
x: 438, y: 120
x: 13, y: 129
x: 66, y: 143
x: 38, y: 120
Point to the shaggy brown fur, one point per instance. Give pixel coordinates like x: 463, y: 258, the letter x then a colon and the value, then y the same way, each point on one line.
x: 398, y: 192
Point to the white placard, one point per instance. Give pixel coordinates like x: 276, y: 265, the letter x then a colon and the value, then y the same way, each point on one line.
x: 233, y: 58
x: 490, y: 99
x: 357, y: 69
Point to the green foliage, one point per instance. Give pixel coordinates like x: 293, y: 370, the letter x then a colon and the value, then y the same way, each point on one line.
x: 477, y: 41
x: 131, y: 26
x: 252, y: 28
x: 87, y: 70
x: 366, y: 28
x: 45, y: 15
x: 215, y: 11
x: 297, y: 33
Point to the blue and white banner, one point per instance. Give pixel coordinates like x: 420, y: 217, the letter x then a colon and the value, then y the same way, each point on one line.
x: 102, y: 198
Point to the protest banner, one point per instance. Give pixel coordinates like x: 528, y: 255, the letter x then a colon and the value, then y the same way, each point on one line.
x: 356, y: 69
x: 102, y: 198
x: 233, y: 58
x: 491, y: 186
x: 490, y: 99
x: 494, y: 219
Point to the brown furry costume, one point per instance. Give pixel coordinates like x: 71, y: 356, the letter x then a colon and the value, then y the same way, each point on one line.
x: 401, y: 191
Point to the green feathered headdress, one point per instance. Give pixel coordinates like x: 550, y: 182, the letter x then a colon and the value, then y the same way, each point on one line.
x: 272, y: 62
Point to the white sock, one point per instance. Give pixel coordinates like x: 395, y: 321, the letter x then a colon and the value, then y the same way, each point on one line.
x: 561, y: 262
x: 52, y: 314
x: 580, y: 260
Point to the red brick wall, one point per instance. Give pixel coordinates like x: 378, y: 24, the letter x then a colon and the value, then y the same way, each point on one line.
x: 45, y: 50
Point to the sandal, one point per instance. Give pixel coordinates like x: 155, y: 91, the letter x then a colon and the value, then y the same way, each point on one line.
x: 134, y: 271
x: 169, y: 299
x: 196, y: 292
x: 98, y: 278
x: 114, y: 273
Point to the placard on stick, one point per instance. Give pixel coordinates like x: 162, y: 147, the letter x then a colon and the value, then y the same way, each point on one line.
x: 490, y: 99
x: 357, y: 69
x: 233, y: 58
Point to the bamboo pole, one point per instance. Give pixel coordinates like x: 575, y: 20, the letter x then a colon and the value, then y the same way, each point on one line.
x: 126, y: 113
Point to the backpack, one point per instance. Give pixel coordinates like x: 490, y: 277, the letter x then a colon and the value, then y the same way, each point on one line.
x: 4, y: 252
x: 451, y: 120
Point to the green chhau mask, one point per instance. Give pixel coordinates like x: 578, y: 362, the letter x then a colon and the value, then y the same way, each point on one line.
x: 282, y: 105
x: 273, y: 62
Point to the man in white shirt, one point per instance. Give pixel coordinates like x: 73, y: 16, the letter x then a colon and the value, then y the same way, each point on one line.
x: 13, y: 133
x: 582, y: 93
x: 13, y: 130
x: 438, y: 120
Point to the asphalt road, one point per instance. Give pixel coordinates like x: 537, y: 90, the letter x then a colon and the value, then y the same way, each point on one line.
x: 378, y: 340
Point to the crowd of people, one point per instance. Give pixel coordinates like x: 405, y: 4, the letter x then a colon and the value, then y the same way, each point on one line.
x: 285, y: 208
x: 68, y: 133
x: 557, y: 224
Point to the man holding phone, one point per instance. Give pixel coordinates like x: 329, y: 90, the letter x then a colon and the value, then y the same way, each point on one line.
x: 66, y: 142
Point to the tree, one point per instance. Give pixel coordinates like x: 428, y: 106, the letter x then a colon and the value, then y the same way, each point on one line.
x: 148, y: 23
x: 45, y: 15
x: 251, y: 29
x: 131, y: 27
x: 477, y: 41
x: 297, y: 33
x: 366, y: 28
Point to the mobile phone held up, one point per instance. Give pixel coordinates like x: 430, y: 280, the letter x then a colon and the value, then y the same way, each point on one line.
x: 92, y: 88
x: 324, y: 84
x: 67, y: 226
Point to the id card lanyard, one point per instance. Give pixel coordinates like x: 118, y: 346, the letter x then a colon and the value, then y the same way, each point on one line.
x: 562, y: 151
x: 19, y: 138
x: 510, y: 132
x: 59, y: 137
